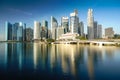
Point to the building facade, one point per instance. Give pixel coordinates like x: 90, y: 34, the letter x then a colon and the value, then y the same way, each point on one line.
x: 8, y: 31
x: 68, y: 36
x: 36, y: 30
x: 109, y: 33
x: 95, y: 30
x: 99, y: 31
x: 29, y: 34
x: 59, y: 32
x: 74, y: 22
x: 81, y: 29
x: 15, y: 31
x: 44, y: 30
x: 65, y: 24
x: 54, y: 25
x: 24, y: 32
x: 20, y: 32
x: 90, y: 24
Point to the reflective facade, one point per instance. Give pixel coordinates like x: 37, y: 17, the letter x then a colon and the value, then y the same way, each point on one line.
x: 81, y: 29
x: 95, y: 29
x: 15, y: 31
x: 36, y: 30
x: 20, y: 32
x: 74, y: 22
x: 65, y: 24
x: 59, y: 32
x: 99, y: 31
x: 29, y: 34
x: 54, y: 25
x: 90, y: 24
x: 8, y: 31
x: 44, y: 30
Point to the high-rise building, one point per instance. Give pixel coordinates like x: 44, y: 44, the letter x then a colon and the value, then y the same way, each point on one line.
x: 49, y: 34
x: 109, y: 33
x: 59, y: 32
x: 36, y: 30
x: 20, y: 32
x: 95, y: 30
x: 74, y: 22
x: 99, y: 33
x: 45, y: 23
x: 81, y: 29
x: 8, y: 31
x: 44, y: 30
x: 65, y: 24
x: 90, y: 24
x: 24, y: 32
x: 14, y: 31
x: 54, y: 25
x: 29, y: 34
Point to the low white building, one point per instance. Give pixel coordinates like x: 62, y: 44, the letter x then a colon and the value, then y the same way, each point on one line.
x: 68, y: 36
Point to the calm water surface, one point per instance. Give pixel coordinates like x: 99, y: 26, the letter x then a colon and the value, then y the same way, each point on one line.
x: 59, y: 62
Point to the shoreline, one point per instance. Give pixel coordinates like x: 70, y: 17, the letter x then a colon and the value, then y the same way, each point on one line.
x: 84, y: 42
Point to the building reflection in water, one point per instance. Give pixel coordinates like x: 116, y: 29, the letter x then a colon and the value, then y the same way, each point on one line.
x: 3, y: 55
x: 109, y: 52
x: 15, y: 55
x: 36, y: 51
x: 40, y: 56
x: 69, y: 57
x: 15, y: 52
x: 61, y: 58
x: 95, y: 55
x: 65, y: 58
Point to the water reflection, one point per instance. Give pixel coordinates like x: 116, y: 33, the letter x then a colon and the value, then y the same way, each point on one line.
x: 40, y: 56
x: 94, y: 56
x: 15, y: 55
x: 80, y: 62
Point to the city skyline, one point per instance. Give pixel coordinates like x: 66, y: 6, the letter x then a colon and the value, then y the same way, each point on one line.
x: 27, y: 11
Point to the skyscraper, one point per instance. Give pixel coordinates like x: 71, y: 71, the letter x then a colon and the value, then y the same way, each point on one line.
x: 29, y: 34
x: 44, y: 30
x: 81, y: 29
x: 24, y: 32
x: 45, y: 23
x: 59, y: 32
x: 65, y: 24
x: 74, y: 22
x: 20, y: 32
x: 14, y: 31
x: 8, y: 31
x: 90, y: 24
x: 95, y: 30
x: 36, y: 30
x: 54, y: 25
x: 99, y: 31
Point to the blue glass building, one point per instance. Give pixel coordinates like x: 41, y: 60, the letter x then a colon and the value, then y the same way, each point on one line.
x: 8, y: 31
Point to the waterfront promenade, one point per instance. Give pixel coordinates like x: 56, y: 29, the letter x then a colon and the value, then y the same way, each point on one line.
x: 112, y: 42
x: 101, y: 42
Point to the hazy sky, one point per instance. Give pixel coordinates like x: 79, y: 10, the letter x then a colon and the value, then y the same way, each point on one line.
x: 106, y: 12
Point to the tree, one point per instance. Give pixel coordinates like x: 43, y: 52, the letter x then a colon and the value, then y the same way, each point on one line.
x: 81, y: 37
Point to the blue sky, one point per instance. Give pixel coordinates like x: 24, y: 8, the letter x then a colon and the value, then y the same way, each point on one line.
x: 106, y: 12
